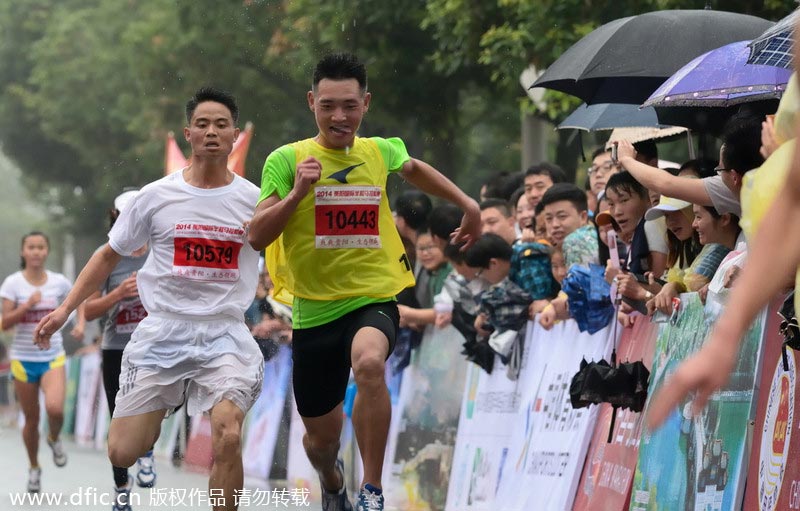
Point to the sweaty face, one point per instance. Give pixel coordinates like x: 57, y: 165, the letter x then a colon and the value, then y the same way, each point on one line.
x: 211, y: 131
x: 338, y: 106
x: 535, y: 186
x: 492, y: 220
x: 561, y: 219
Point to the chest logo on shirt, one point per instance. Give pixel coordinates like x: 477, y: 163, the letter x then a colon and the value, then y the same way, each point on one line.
x: 341, y: 175
x: 207, y: 252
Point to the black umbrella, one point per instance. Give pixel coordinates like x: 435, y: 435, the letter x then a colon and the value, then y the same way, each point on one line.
x: 625, y: 60
x: 607, y: 116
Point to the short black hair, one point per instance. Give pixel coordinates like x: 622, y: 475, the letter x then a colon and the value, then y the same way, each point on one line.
x: 454, y: 253
x: 340, y: 66
x: 488, y: 246
x: 703, y: 167
x: 212, y: 94
x: 414, y: 207
x: 565, y: 191
x: 647, y: 148
x: 518, y: 193
x: 444, y: 219
x: 742, y: 143
x: 600, y: 150
x: 498, y: 204
x: 550, y: 170
x: 625, y: 182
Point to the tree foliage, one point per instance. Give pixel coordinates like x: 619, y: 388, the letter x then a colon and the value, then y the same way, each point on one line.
x: 89, y: 93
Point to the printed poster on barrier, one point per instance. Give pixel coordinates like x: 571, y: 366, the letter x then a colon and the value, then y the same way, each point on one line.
x: 697, y: 463
x: 774, y: 474
x: 488, y: 410
x: 264, y: 418
x: 608, y: 471
x: 430, y: 404
x: 549, y: 438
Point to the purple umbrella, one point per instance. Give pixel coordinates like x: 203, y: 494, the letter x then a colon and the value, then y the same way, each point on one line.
x: 721, y: 78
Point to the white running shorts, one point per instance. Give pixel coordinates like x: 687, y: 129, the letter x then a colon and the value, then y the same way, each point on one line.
x: 171, y: 360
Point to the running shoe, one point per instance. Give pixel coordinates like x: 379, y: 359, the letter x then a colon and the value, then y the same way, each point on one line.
x: 59, y: 456
x: 146, y: 474
x: 122, y: 497
x: 337, y: 500
x: 370, y: 499
x: 34, y: 480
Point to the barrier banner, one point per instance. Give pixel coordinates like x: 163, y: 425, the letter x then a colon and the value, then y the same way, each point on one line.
x: 549, y: 438
x: 698, y: 463
x: 89, y: 397
x: 774, y: 474
x: 429, y: 409
x: 608, y: 472
x: 73, y: 370
x: 264, y: 418
x: 488, y: 412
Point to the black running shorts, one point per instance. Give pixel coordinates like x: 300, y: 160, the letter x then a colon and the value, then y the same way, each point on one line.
x: 321, y: 355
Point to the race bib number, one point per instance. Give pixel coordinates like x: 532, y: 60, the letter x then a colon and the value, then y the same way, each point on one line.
x: 347, y: 216
x: 129, y: 315
x: 207, y: 252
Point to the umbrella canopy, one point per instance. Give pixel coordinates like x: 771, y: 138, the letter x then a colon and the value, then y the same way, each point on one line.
x: 627, y: 59
x: 721, y: 77
x: 607, y: 116
x: 774, y: 46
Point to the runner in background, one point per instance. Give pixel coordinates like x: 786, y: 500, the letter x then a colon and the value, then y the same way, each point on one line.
x: 28, y: 296
x: 118, y: 304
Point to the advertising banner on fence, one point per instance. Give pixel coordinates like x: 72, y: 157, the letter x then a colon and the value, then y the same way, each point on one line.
x: 264, y: 418
x: 697, y: 463
x: 549, y: 438
x: 608, y: 472
x: 774, y: 474
x: 488, y: 412
x: 429, y: 409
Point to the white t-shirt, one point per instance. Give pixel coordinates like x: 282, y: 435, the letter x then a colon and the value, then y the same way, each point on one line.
x: 17, y: 289
x: 656, y: 233
x: 200, y: 262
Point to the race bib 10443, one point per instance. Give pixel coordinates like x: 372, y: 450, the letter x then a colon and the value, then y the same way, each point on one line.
x: 347, y: 216
x: 207, y: 252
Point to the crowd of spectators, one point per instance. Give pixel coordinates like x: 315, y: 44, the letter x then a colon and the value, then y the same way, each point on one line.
x: 650, y: 233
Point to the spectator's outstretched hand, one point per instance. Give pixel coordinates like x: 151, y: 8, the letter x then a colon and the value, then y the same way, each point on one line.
x: 700, y: 375
x: 768, y: 142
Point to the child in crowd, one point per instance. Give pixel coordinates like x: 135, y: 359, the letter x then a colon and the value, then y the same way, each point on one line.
x: 504, y: 305
x: 565, y: 209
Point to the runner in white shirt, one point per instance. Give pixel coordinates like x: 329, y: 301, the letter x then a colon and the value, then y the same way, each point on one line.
x: 28, y: 296
x: 193, y: 348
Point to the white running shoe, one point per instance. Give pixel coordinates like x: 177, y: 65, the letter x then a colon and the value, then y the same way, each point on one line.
x: 59, y: 456
x: 146, y: 474
x: 34, y: 480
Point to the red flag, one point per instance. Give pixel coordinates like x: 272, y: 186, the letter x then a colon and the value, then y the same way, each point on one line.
x: 238, y: 156
x: 174, y: 159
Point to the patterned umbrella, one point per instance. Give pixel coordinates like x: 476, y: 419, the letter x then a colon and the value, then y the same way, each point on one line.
x: 721, y: 78
x: 774, y: 47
